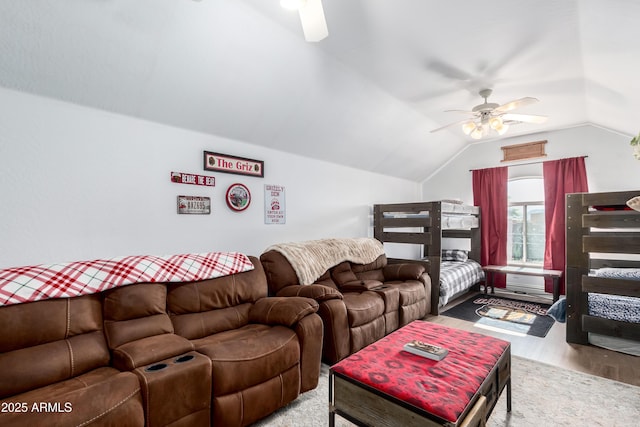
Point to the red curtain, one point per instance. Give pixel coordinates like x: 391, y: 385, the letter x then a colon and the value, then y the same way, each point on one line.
x: 561, y: 177
x: 490, y: 193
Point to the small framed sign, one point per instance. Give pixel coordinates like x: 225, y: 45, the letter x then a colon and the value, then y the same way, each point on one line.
x: 274, y: 205
x: 194, y: 205
x: 238, y: 197
x: 190, y: 178
x: 218, y: 162
x: 528, y: 150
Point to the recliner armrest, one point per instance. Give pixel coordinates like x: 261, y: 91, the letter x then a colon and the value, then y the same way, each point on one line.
x: 286, y: 311
x: 403, y: 271
x: 317, y: 292
x: 134, y: 354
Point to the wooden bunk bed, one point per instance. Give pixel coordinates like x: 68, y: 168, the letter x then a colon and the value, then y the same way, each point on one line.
x: 426, y: 224
x: 603, y: 271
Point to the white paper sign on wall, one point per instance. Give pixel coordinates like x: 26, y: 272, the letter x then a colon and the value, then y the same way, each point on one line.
x: 274, y: 204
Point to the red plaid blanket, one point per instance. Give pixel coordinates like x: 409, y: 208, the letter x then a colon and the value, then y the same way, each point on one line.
x: 33, y: 283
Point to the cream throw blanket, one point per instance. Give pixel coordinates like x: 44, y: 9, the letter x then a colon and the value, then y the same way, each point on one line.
x: 311, y: 259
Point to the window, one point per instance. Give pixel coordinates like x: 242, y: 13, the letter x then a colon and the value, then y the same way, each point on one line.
x: 526, y: 229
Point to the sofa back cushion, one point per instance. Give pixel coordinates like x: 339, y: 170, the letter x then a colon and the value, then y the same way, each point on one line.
x: 326, y: 280
x: 281, y: 274
x: 278, y: 271
x: 371, y: 271
x: 198, y: 309
x: 51, y: 340
x: 134, y: 312
x: 342, y: 273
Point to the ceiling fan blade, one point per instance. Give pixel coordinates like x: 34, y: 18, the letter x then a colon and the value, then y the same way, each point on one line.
x: 449, y: 71
x: 313, y: 21
x: 516, y: 104
x: 524, y: 118
x: 458, y: 123
x: 460, y: 111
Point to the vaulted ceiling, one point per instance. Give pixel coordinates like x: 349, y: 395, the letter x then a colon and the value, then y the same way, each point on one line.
x: 367, y: 96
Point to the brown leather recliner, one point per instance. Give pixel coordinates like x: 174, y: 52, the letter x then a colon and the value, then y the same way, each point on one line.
x: 358, y: 303
x: 61, y: 359
x: 54, y: 367
x: 175, y: 380
x: 263, y: 351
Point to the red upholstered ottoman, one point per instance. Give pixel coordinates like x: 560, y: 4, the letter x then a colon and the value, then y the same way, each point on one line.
x: 384, y: 385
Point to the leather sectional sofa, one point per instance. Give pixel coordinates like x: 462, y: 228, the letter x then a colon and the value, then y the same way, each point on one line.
x: 212, y: 352
x: 359, y: 303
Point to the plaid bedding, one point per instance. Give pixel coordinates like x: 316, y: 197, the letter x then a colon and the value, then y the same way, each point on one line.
x: 458, y: 276
x: 64, y: 280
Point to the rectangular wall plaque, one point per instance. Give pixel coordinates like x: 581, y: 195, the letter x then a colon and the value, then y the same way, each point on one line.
x: 274, y: 205
x: 190, y: 178
x: 218, y: 162
x: 194, y: 205
x: 528, y: 150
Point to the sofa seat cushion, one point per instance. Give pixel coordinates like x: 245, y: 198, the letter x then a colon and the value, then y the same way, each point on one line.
x: 105, y: 396
x: 363, y: 307
x: 411, y: 291
x: 245, y: 407
x: 248, y: 356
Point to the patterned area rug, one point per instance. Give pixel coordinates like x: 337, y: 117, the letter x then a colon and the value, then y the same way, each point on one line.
x: 543, y: 395
x: 504, y: 315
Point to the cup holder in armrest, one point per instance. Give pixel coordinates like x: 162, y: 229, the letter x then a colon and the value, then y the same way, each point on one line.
x: 185, y: 358
x: 155, y: 368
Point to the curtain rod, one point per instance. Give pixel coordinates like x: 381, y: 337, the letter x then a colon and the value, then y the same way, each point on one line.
x: 534, y: 163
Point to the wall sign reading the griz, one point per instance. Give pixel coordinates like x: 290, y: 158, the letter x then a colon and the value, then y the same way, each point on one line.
x: 194, y: 205
x: 218, y: 162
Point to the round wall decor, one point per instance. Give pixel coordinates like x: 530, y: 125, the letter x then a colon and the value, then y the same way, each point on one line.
x: 238, y: 197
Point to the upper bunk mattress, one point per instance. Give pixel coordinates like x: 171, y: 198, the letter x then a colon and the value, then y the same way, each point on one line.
x: 459, y: 208
x: 450, y: 222
x: 454, y: 217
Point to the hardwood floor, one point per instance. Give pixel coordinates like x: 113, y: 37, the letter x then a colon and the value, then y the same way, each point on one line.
x: 554, y: 350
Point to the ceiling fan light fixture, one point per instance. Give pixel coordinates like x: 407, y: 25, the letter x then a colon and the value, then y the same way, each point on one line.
x: 477, y: 133
x: 496, y: 123
x: 468, y: 127
x: 490, y: 117
x: 502, y: 129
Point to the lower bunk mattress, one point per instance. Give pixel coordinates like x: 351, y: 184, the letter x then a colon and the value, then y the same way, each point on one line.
x: 614, y: 307
x: 456, y: 277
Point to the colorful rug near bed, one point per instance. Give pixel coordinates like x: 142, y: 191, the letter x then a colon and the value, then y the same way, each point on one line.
x: 504, y: 315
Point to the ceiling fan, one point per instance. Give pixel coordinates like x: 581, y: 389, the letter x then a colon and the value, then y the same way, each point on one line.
x: 312, y: 18
x: 490, y: 116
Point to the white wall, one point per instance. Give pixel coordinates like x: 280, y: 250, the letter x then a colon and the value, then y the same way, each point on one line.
x: 79, y: 183
x: 610, y: 163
